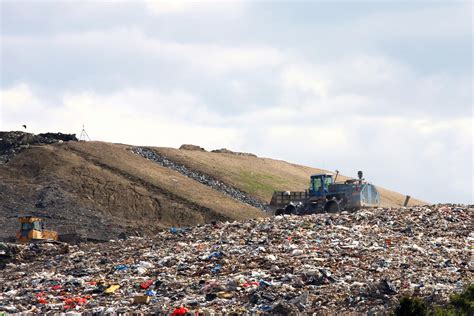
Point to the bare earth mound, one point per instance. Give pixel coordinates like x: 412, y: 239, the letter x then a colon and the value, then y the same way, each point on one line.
x: 106, y: 189
x: 261, y: 176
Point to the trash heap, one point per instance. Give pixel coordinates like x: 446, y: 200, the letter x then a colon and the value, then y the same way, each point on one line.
x: 12, y: 143
x: 230, y: 152
x: 345, y: 262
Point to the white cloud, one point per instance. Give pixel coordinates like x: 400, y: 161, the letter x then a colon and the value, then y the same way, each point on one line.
x: 19, y: 105
x: 135, y: 116
x: 135, y: 44
x: 18, y: 97
x: 423, y: 22
x: 220, y: 59
x: 306, y: 78
x: 162, y: 7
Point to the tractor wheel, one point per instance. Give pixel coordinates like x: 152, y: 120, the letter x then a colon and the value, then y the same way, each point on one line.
x: 331, y: 207
x: 290, y: 209
x: 313, y: 208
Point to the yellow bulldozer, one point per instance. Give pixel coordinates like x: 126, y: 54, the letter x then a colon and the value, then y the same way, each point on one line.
x: 33, y: 229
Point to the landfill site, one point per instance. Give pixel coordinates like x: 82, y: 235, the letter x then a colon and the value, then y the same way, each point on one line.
x: 95, y: 227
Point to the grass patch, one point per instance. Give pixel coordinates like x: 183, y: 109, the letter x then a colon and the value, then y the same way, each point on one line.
x: 261, y: 185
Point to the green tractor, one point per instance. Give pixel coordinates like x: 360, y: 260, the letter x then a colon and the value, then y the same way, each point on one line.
x: 327, y: 195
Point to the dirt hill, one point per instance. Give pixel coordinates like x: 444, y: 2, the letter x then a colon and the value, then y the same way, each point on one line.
x: 105, y: 189
x: 262, y: 176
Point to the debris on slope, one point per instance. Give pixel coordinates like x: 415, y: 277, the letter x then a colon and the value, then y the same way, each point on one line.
x: 12, y: 143
x: 218, y: 151
x: 62, y: 208
x: 200, y: 177
x: 191, y: 147
x: 348, y: 262
x: 227, y: 151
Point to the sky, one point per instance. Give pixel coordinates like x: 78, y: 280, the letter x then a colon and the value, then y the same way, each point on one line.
x: 384, y: 87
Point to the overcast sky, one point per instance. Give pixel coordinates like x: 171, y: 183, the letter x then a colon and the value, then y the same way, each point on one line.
x: 381, y: 87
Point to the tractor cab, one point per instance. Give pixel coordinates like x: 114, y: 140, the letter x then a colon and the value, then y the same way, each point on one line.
x: 319, y: 184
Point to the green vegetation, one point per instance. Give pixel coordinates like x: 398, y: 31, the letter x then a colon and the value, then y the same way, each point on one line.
x: 262, y: 185
x: 459, y: 304
x: 411, y: 306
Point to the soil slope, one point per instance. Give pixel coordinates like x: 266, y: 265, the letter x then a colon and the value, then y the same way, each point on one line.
x: 262, y: 176
x: 105, y: 189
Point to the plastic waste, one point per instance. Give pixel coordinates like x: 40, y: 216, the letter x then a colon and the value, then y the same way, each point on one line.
x: 297, y: 252
x: 341, y: 260
x: 111, y: 289
x: 146, y: 284
x: 174, y: 230
x: 122, y: 267
x: 216, y: 269
x: 141, y: 299
x: 179, y: 311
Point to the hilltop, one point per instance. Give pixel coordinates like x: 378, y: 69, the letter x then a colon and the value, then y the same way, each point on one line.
x: 105, y: 189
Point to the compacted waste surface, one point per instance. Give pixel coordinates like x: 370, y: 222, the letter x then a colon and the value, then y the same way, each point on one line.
x: 360, y: 262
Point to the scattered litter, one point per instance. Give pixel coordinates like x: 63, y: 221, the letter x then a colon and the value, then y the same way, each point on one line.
x: 361, y: 262
x: 141, y: 299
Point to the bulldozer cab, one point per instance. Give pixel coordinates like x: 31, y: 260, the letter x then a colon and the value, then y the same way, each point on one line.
x: 27, y: 226
x: 32, y: 228
x: 319, y: 184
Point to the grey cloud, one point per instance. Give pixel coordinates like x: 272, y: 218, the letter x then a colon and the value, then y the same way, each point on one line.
x: 53, y: 17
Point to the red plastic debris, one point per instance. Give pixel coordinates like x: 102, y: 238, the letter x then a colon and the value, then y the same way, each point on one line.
x: 146, y: 284
x: 250, y: 284
x: 80, y: 300
x: 180, y: 311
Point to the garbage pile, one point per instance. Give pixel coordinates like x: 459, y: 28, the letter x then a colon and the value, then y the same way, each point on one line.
x: 205, y: 179
x: 12, y: 143
x: 217, y: 151
x: 7, y: 254
x: 191, y: 147
x: 346, y: 262
x: 230, y: 152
